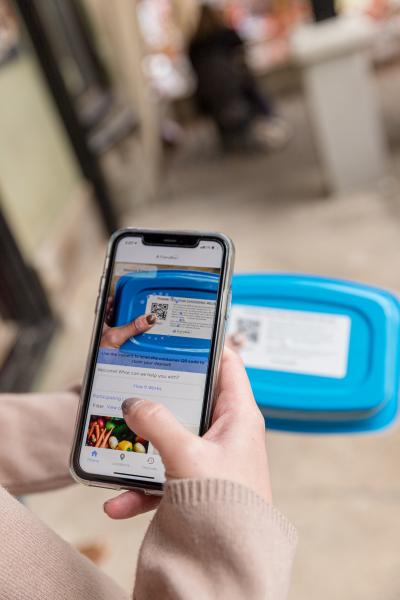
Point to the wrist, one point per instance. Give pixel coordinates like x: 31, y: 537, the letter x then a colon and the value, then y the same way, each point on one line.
x: 195, y: 492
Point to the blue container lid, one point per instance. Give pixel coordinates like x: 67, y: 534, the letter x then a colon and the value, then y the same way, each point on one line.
x: 135, y: 290
x: 322, y: 354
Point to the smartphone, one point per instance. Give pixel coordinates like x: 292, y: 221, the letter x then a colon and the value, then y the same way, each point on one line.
x: 184, y: 279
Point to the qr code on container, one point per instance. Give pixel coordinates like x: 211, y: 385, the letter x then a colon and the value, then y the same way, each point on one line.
x: 249, y: 328
x: 160, y: 310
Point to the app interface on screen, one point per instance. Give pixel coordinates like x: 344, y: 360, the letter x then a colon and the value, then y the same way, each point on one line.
x: 167, y: 364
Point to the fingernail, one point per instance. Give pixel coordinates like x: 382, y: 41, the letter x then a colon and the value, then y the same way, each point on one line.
x: 238, y: 340
x: 127, y: 404
x: 151, y: 318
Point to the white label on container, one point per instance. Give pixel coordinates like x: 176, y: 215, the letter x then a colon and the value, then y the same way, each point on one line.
x: 185, y: 317
x: 294, y: 341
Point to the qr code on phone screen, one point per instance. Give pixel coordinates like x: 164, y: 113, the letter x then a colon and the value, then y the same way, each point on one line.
x: 160, y: 310
x: 249, y: 328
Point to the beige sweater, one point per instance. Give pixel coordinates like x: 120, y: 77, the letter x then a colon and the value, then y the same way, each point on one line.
x: 209, y: 538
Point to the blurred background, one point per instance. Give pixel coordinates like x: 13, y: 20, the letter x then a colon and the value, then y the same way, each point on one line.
x: 115, y: 114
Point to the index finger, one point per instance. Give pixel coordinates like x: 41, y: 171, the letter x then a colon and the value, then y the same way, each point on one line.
x: 130, y: 504
x: 116, y: 336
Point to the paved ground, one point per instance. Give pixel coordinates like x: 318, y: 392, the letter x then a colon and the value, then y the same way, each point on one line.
x: 342, y: 493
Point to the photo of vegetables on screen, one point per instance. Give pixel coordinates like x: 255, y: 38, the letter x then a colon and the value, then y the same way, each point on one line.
x: 113, y: 433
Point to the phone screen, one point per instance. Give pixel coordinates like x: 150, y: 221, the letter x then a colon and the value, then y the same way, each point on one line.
x: 168, y: 364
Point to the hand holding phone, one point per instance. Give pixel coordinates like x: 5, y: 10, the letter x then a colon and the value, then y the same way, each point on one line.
x: 161, y: 317
x: 233, y: 448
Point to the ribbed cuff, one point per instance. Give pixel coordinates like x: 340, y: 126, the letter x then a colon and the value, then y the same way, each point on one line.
x: 204, y: 491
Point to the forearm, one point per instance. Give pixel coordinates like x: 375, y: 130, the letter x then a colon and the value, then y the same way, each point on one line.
x: 35, y: 442
x: 215, y: 539
x: 35, y: 564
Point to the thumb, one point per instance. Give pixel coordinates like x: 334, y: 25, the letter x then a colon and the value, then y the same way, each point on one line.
x: 154, y: 422
x: 114, y: 337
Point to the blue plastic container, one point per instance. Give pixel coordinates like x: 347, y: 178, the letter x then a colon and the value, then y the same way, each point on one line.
x: 322, y: 355
x: 131, y: 297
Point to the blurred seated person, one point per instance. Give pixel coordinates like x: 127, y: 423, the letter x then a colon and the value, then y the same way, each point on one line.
x: 227, y: 90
